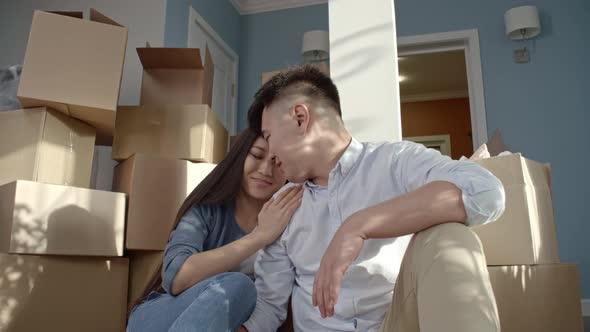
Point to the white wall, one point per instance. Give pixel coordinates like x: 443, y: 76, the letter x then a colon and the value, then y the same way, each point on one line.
x: 144, y: 18
x: 363, y: 64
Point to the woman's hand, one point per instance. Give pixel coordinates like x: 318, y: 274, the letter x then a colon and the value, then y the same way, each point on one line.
x: 277, y: 212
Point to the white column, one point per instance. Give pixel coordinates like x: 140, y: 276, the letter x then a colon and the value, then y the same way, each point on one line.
x: 363, y: 64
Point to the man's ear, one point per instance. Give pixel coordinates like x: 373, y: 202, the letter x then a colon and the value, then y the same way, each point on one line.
x: 302, y: 115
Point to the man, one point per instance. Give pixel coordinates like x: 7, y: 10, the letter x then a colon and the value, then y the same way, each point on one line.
x: 340, y: 256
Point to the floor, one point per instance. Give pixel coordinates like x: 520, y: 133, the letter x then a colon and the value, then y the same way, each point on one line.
x: 587, y: 324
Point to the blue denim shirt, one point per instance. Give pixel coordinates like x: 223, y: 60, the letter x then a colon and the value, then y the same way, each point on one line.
x: 202, y: 228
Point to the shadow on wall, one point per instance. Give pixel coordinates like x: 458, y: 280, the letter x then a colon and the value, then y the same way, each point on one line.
x: 364, y: 56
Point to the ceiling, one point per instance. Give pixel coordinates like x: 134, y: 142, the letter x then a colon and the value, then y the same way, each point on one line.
x: 259, y: 6
x: 433, y: 76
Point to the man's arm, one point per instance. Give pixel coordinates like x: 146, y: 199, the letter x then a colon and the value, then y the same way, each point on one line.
x: 275, y: 276
x: 438, y: 190
x: 481, y: 193
x: 432, y: 204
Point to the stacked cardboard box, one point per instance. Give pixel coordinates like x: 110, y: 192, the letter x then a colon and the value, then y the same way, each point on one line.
x: 167, y: 145
x: 534, y: 291
x: 61, y: 244
x: 64, y: 248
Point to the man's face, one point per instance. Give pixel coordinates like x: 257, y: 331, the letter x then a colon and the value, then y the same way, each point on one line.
x: 286, y: 140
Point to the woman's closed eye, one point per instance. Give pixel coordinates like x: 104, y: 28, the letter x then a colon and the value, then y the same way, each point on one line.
x: 257, y: 156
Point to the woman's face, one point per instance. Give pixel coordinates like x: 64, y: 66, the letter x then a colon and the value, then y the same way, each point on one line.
x: 261, y: 176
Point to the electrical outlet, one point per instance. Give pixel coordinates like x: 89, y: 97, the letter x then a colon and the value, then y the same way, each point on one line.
x: 521, y: 55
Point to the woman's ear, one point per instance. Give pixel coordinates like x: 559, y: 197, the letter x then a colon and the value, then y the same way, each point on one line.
x: 302, y: 115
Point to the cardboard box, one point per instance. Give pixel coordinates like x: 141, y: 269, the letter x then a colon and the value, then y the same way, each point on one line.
x: 190, y: 132
x: 75, y: 66
x: 38, y: 218
x: 66, y: 294
x: 142, y: 266
x: 46, y: 146
x: 540, y: 298
x: 525, y: 233
x: 173, y: 76
x: 514, y: 169
x: 156, y: 188
x: 322, y: 66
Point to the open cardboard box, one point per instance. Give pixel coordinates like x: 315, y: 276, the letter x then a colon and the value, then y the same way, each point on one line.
x: 75, y: 66
x: 173, y: 76
x: 525, y: 233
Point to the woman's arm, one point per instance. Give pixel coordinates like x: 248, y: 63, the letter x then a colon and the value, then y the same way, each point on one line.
x: 203, y: 265
x: 272, y: 220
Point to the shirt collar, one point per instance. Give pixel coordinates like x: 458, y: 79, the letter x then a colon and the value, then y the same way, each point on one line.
x: 346, y: 162
x: 349, y: 157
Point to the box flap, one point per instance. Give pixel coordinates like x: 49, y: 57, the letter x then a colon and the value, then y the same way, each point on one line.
x: 169, y: 58
x: 76, y: 14
x: 96, y: 16
x: 515, y: 169
x: 122, y: 176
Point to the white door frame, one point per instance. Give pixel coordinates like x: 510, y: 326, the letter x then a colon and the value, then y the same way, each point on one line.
x: 195, y: 18
x: 468, y: 41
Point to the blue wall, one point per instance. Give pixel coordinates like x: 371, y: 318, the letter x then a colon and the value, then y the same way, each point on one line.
x: 220, y: 15
x: 540, y: 107
x: 272, y: 41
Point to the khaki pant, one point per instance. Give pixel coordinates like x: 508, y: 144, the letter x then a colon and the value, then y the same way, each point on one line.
x: 443, y: 285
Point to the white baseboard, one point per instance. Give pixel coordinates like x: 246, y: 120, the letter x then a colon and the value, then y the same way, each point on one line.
x: 586, y: 307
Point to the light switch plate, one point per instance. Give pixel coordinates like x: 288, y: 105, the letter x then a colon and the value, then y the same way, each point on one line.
x: 521, y: 55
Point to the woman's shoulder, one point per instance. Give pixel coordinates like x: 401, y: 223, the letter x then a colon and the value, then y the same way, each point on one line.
x: 209, y: 213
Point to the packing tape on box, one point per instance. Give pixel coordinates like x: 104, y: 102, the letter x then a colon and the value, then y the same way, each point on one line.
x: 69, y: 158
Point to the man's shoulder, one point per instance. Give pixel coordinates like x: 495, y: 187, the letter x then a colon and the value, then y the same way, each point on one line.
x: 373, y: 150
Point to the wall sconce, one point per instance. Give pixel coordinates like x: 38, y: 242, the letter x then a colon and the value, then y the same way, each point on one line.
x: 522, y: 23
x: 316, y: 46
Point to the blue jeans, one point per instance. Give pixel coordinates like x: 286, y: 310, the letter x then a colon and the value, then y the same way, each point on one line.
x: 218, y: 304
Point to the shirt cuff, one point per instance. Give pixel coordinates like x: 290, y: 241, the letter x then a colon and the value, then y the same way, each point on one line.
x: 484, y: 207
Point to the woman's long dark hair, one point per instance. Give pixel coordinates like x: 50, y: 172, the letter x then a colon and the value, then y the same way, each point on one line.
x: 220, y: 186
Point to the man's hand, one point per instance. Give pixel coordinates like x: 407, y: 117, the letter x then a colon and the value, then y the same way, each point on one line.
x: 342, y: 251
x: 242, y: 329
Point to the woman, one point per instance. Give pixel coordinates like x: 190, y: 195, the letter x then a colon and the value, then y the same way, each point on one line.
x: 220, y: 226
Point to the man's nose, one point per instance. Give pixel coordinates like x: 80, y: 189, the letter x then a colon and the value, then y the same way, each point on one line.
x: 266, y: 168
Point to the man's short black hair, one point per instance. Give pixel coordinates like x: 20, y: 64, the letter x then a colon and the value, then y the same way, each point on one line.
x: 304, y: 80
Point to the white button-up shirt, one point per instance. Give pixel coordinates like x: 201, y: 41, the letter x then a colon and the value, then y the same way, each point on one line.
x: 365, y: 175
